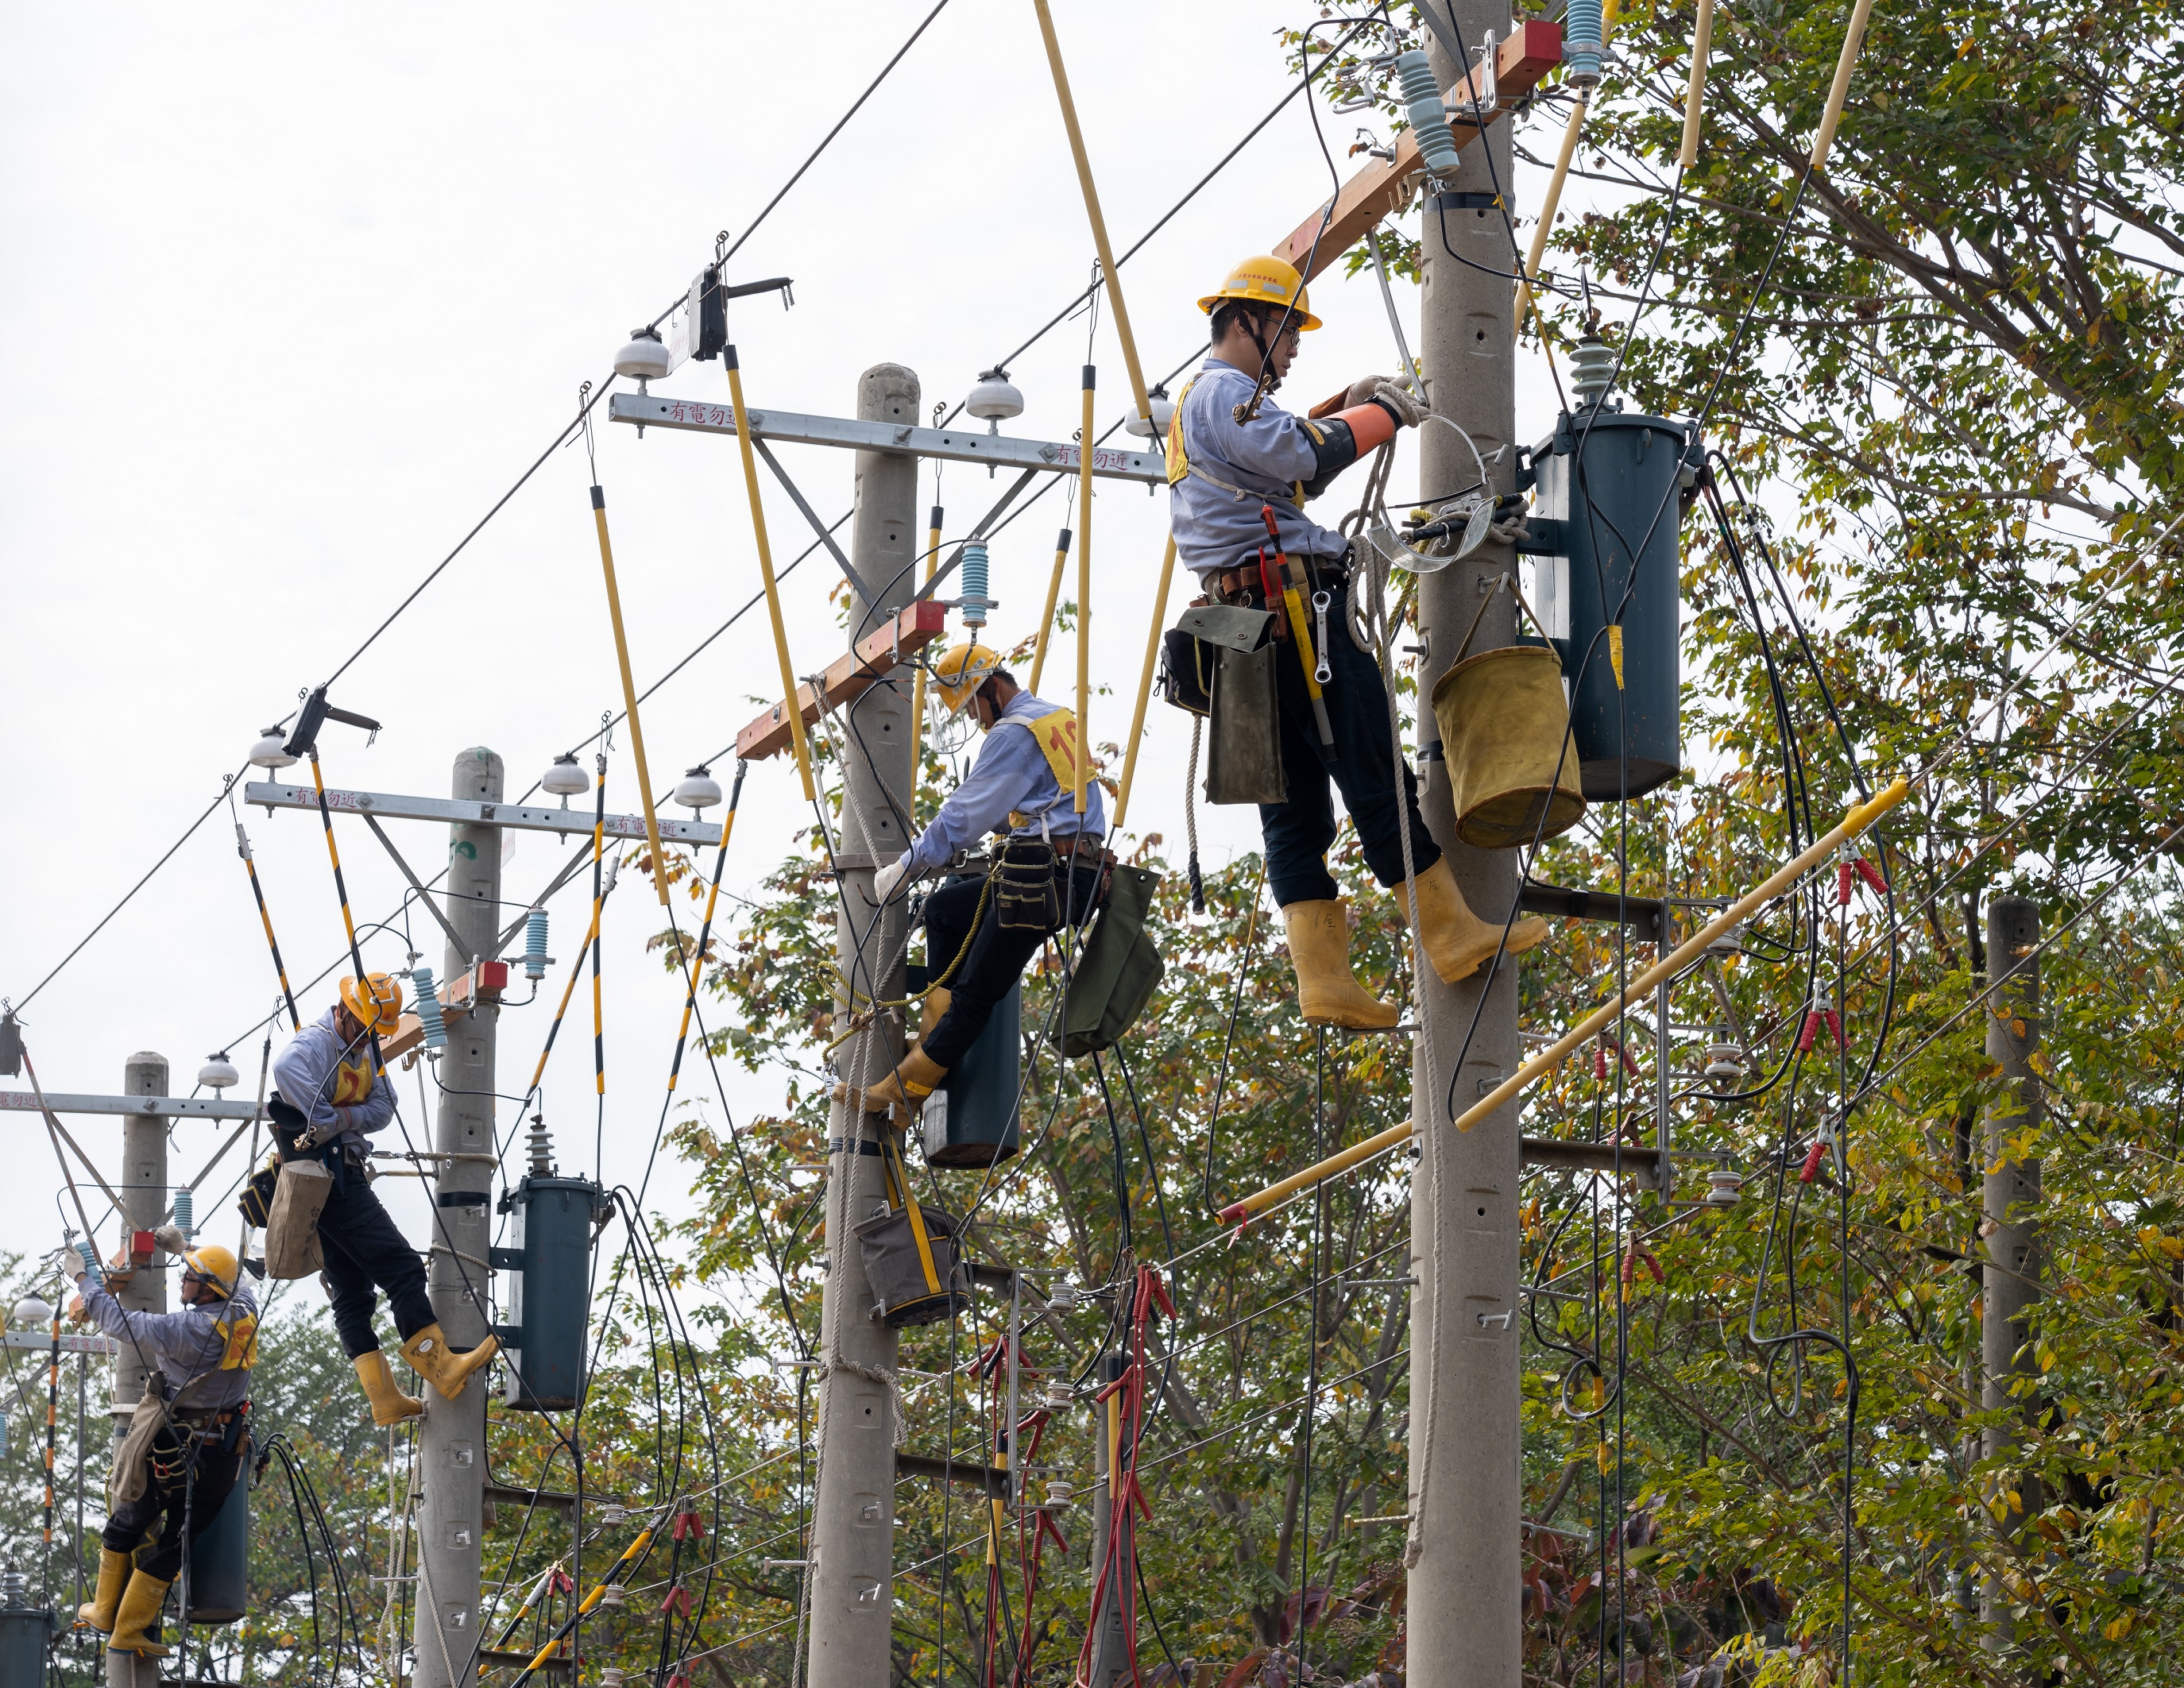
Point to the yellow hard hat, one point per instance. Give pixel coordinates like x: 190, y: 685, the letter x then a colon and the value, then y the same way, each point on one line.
x: 213, y: 1264
x: 961, y: 670
x: 1266, y: 281
x: 377, y: 1003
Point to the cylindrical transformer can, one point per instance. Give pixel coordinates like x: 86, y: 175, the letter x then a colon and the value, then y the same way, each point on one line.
x: 1612, y: 494
x: 549, y: 1300
x: 219, y: 1559
x: 27, y: 1631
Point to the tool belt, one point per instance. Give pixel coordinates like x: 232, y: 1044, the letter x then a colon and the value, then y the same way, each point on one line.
x: 1032, y: 889
x: 1244, y: 585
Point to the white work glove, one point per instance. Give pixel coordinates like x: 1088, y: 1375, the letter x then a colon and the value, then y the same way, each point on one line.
x: 1409, y: 410
x: 887, y: 879
x: 170, y: 1238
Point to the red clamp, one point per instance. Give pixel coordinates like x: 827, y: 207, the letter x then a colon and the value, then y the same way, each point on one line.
x: 688, y: 1526
x: 678, y: 1601
x: 1639, y: 1254
x: 1814, y: 1156
x: 1858, y: 866
x: 1816, y: 1019
x: 560, y: 1582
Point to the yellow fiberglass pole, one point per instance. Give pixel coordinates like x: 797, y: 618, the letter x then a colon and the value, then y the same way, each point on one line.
x: 1853, y: 38
x: 1144, y: 688
x: 1092, y: 210
x: 1084, y: 453
x: 1053, y: 599
x: 1859, y: 816
x: 1695, y: 91
x: 629, y: 696
x: 766, y: 573
x: 917, y: 686
x: 1548, y: 206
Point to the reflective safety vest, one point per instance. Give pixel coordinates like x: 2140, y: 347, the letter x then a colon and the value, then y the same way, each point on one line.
x: 241, y: 1335
x: 1056, y: 735
x: 353, y: 1081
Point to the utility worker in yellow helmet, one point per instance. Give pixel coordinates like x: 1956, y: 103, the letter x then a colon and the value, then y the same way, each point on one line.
x: 1235, y: 458
x: 329, y: 1097
x: 185, y: 1447
x: 1023, y: 788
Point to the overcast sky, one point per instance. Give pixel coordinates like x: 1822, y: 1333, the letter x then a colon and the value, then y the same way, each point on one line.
x: 289, y: 296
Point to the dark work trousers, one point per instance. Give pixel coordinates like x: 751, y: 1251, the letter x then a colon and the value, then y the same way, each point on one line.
x: 997, y: 954
x: 1299, y: 832
x: 167, y: 1495
x: 364, y: 1249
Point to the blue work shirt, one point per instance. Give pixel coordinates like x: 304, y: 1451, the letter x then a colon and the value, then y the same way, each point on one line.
x: 326, y: 1080
x: 1011, y: 775
x: 1266, y: 458
x: 186, y: 1344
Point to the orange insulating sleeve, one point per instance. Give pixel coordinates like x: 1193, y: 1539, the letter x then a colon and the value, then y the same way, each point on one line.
x: 1370, y: 425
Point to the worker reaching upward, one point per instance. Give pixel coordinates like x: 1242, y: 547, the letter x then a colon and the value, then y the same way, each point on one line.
x: 1240, y: 471
x: 185, y: 1447
x: 330, y: 1098
x: 981, y: 929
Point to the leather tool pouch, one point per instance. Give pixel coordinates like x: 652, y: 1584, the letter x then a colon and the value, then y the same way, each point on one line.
x: 1026, y: 898
x: 1244, y: 762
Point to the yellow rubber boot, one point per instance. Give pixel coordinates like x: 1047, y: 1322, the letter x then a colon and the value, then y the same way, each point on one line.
x: 98, y: 1611
x: 1328, y: 991
x: 389, y: 1405
x: 936, y: 1003
x: 440, y: 1365
x: 139, y: 1610
x: 905, y: 1088
x: 1457, y: 940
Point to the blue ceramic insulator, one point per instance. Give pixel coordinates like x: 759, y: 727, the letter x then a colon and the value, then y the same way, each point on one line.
x: 1429, y: 115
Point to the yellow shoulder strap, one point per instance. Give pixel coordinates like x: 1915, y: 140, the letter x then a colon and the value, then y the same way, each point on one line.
x: 1179, y: 463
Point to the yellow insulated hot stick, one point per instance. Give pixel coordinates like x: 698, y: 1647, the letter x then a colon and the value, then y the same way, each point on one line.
x: 1278, y: 577
x: 1053, y: 598
x: 766, y: 573
x: 1084, y: 451
x: 599, y: 1593
x: 1694, y: 92
x: 1855, y: 821
x: 629, y: 696
x: 1145, y: 687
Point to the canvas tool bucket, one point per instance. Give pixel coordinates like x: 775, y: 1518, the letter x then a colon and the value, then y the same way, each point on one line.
x: 1504, y: 732
x: 292, y: 1228
x: 910, y: 1254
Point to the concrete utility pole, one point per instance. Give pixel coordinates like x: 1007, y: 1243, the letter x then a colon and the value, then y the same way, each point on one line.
x: 451, y: 1443
x: 2009, y: 1275
x: 851, y: 1577
x: 1465, y: 1485
x: 144, y: 1194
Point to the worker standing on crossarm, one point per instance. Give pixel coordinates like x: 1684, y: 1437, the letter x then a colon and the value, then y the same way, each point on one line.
x: 185, y: 1447
x: 981, y: 930
x: 329, y: 1099
x: 1237, y: 465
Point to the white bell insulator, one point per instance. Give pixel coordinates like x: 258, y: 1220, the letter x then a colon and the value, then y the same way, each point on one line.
x: 1063, y: 1297
x: 33, y: 1311
x: 698, y: 789
x: 1163, y: 409
x: 1724, y: 1188
x: 566, y: 777
x: 994, y: 399
x: 644, y: 358
x: 218, y: 1072
x: 1725, y: 1061
x: 272, y: 749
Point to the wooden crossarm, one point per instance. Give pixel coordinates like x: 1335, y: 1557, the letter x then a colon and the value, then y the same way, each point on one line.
x: 847, y: 676
x: 1520, y: 64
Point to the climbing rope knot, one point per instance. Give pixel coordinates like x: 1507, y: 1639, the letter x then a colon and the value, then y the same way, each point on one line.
x: 873, y: 1374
